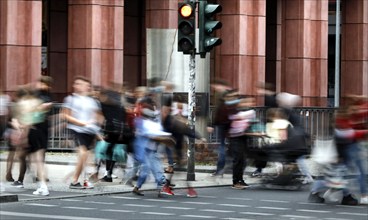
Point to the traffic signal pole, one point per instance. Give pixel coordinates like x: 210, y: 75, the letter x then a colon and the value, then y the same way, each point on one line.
x: 191, y: 118
x: 186, y: 44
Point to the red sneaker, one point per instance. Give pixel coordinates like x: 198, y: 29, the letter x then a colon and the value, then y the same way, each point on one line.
x: 166, y: 190
x: 192, y: 193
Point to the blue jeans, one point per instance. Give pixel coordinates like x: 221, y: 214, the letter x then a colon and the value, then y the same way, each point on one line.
x: 222, y: 150
x: 151, y: 163
x: 353, y: 157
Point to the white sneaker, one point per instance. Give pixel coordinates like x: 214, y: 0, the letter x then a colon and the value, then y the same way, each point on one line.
x: 364, y: 200
x: 88, y: 185
x: 42, y: 191
x: 112, y: 175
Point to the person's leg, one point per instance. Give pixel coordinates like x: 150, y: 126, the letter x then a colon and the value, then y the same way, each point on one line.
x: 222, y: 151
x: 301, y: 161
x: 238, y: 160
x: 170, y: 160
x: 9, y: 163
x: 22, y: 164
x: 40, y: 169
x: 360, y: 165
x: 82, y: 158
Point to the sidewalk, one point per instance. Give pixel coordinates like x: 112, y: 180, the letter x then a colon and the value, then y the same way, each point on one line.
x: 60, y: 167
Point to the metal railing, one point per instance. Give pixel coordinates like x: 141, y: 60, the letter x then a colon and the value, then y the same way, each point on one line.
x: 317, y: 122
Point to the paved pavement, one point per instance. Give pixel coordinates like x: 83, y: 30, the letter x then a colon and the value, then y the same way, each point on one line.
x: 60, y: 167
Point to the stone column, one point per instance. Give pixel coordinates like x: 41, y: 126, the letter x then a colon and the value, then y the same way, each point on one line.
x: 241, y: 57
x: 96, y: 40
x: 304, y: 50
x: 58, y: 47
x: 354, y: 48
x: 20, y: 42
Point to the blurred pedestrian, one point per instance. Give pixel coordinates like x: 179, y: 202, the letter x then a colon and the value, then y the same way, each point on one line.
x: 149, y: 133
x: 345, y: 139
x: 82, y: 113
x: 220, y: 122
x: 237, y: 138
x: 29, y: 112
x: 268, y: 91
x: 113, y: 129
x: 39, y: 134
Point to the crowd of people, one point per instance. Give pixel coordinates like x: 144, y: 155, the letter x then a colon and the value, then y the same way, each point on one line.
x: 141, y: 121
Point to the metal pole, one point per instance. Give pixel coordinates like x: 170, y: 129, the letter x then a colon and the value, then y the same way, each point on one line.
x: 191, y: 118
x: 337, y: 56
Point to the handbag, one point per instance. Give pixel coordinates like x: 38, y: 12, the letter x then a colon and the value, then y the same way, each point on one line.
x: 324, y: 151
x: 119, y: 154
x: 100, y: 149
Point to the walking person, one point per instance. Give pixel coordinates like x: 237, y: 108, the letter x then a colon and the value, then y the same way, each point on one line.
x: 220, y: 122
x: 149, y: 133
x: 178, y: 127
x: 82, y: 114
x: 115, y: 119
x: 268, y: 91
x: 39, y: 134
x: 28, y: 137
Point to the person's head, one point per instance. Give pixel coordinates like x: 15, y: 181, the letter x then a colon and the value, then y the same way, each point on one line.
x: 44, y: 83
x: 81, y: 85
x: 140, y: 92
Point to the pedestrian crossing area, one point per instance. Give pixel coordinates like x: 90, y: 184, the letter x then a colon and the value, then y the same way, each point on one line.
x: 234, y: 205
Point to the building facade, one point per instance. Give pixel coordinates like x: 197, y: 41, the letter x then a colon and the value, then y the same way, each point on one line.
x: 286, y: 42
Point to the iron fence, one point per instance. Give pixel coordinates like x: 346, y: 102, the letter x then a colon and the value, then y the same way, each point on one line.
x: 317, y: 122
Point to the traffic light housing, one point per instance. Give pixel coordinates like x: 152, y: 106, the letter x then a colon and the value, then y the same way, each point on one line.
x: 186, y: 27
x: 207, y: 25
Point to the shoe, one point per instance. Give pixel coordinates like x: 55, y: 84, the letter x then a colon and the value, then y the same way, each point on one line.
x: 106, y: 179
x: 76, y: 186
x: 191, y: 193
x: 137, y: 192
x: 216, y: 174
x: 240, y: 185
x: 166, y: 190
x: 256, y: 174
x: 43, y: 191
x: 315, y: 198
x: 88, y: 185
x: 349, y: 200
x: 112, y: 175
x: 364, y: 200
x: 18, y: 184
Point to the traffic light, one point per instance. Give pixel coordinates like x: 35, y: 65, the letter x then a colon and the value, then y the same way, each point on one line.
x: 207, y: 25
x: 186, y: 27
